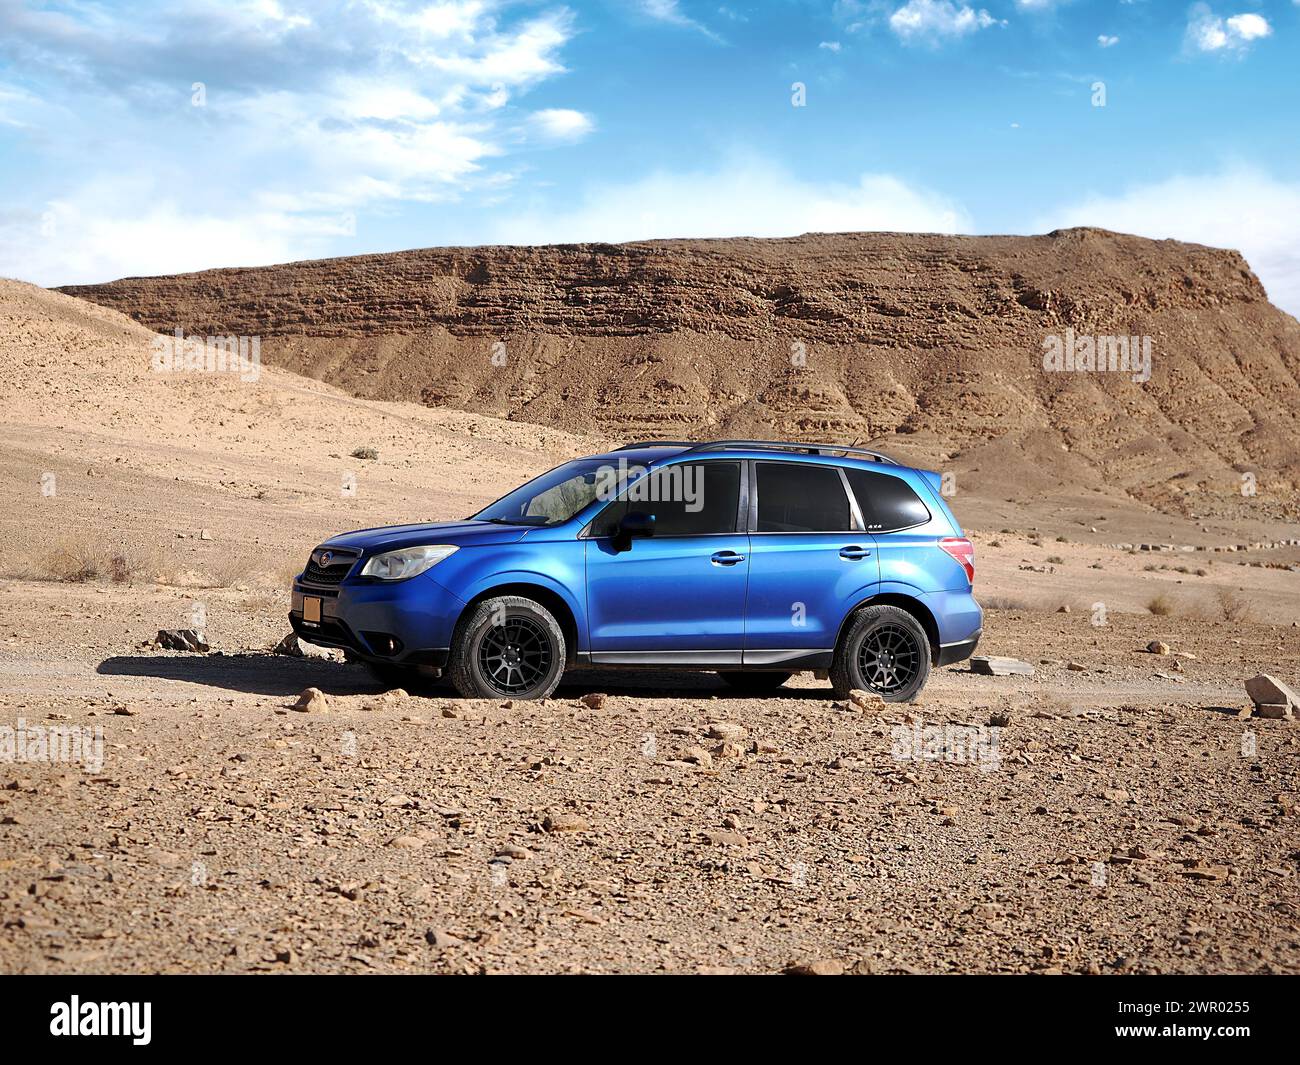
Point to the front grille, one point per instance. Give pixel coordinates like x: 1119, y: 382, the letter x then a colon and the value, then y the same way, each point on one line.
x: 333, y: 573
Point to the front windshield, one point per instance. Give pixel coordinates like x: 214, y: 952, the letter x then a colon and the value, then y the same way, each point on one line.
x: 558, y: 495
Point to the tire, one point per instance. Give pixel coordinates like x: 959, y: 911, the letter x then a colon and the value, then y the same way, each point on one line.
x: 507, y: 648
x: 885, y: 651
x: 755, y: 683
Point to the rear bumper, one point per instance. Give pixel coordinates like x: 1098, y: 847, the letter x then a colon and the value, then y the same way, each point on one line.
x: 958, y: 652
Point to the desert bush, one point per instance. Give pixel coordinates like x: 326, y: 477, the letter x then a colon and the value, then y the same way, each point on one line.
x: 1002, y: 602
x: 365, y: 452
x: 1160, y: 605
x: 228, y: 571
x: 1232, y: 606
x: 75, y: 559
x: 1056, y: 560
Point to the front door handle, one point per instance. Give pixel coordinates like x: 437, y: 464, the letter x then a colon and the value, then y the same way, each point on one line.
x: 726, y: 558
x: 853, y: 553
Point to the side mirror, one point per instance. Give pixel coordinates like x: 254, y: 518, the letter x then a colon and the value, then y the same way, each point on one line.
x: 634, y: 525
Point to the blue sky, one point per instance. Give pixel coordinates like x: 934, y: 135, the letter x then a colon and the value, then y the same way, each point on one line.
x: 148, y: 138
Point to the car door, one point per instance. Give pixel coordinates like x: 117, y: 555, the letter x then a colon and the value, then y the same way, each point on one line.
x: 811, y: 560
x: 677, y: 596
x: 906, y: 536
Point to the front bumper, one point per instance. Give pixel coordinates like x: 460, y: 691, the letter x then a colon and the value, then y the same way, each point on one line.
x: 408, y: 623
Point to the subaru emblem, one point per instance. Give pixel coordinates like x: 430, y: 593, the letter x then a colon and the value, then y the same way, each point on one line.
x: 326, y: 558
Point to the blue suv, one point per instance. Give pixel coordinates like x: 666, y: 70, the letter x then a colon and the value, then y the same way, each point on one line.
x: 750, y: 558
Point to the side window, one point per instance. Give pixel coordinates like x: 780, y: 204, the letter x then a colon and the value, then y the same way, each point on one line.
x: 686, y: 499
x: 887, y: 503
x: 798, y: 498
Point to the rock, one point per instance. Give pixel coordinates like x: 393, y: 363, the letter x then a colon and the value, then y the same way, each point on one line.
x: 408, y: 842
x: 1063, y: 609
x: 1266, y: 691
x: 725, y: 730
x: 565, y: 821
x: 820, y: 967
x: 205, y: 534
x: 1203, y: 870
x: 1159, y: 647
x: 296, y: 648
x: 698, y: 756
x: 312, y: 701
x: 1076, y: 667
x: 594, y: 700
x: 994, y: 666
x: 728, y: 750
x: 181, y: 640
x: 719, y: 838
x: 866, y: 702
x: 437, y: 937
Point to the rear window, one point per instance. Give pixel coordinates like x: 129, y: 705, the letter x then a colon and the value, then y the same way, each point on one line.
x: 798, y: 498
x: 887, y: 503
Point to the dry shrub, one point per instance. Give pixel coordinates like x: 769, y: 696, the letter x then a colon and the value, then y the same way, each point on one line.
x: 229, y: 571
x: 1160, y: 605
x: 1232, y: 606
x: 73, y: 559
x: 1002, y: 602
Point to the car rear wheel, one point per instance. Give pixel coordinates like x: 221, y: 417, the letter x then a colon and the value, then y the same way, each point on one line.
x: 507, y: 648
x: 885, y: 651
x: 755, y: 683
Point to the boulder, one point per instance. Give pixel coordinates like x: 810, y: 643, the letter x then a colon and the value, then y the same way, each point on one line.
x: 994, y: 666
x: 1269, y: 693
x: 312, y: 701
x: 182, y: 640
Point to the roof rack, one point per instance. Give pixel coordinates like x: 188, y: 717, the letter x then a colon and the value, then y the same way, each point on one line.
x: 638, y: 444
x: 695, y: 447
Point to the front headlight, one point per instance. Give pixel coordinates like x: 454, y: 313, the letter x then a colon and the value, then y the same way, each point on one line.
x: 406, y: 562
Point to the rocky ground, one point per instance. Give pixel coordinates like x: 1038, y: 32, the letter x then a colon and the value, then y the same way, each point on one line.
x: 1122, y: 817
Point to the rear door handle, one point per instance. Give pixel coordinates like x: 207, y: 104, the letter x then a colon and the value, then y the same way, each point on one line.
x: 726, y: 558
x: 854, y: 553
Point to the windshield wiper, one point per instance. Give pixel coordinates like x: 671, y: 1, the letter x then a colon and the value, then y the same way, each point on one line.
x: 530, y: 519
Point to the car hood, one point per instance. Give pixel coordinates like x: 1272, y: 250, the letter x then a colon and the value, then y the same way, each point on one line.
x: 461, y: 533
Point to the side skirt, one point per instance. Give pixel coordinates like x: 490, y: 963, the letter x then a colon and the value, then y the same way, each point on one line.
x: 782, y: 660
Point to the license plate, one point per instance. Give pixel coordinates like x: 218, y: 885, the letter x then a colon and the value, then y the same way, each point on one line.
x: 311, y: 610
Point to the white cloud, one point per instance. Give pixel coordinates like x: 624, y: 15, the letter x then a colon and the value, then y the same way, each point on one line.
x: 312, y: 112
x: 834, y: 46
x: 562, y: 124
x: 1207, y: 32
x: 929, y: 20
x: 1106, y: 41
x: 670, y: 11
x: 1240, y: 208
x: 748, y: 197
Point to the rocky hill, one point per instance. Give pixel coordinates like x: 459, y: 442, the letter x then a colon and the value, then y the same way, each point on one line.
x: 931, y: 346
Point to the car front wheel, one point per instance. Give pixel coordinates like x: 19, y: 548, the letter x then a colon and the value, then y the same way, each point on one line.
x: 508, y: 647
x: 885, y: 651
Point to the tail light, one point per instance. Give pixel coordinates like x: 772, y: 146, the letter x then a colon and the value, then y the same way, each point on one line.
x: 963, y: 551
